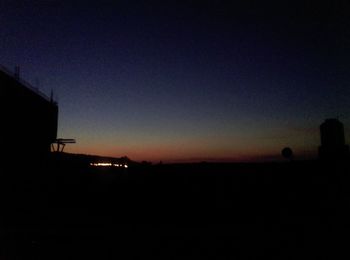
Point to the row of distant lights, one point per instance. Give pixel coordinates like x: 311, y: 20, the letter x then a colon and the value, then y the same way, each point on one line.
x: 104, y: 164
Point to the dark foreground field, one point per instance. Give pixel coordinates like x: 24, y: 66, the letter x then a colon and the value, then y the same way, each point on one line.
x: 194, y: 211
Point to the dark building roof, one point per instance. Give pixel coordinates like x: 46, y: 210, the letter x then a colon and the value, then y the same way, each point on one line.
x: 15, y: 75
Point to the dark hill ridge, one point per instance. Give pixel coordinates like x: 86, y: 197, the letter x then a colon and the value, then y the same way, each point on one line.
x: 182, y: 211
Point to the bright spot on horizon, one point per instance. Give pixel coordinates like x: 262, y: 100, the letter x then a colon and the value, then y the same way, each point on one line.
x: 108, y: 164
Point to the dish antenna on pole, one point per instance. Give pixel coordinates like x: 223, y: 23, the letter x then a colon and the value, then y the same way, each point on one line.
x: 287, y: 153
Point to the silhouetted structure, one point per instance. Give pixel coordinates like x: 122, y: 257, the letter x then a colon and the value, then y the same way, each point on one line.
x: 29, y: 118
x: 333, y: 140
x: 60, y: 144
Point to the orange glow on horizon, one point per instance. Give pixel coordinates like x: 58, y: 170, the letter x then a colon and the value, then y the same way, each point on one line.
x: 168, y: 155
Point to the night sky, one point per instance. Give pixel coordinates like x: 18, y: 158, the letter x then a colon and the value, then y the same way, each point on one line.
x: 188, y: 81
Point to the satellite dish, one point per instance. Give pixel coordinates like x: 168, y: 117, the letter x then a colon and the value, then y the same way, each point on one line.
x: 287, y: 153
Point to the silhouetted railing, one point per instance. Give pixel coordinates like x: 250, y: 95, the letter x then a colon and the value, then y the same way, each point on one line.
x: 24, y: 83
x: 61, y: 143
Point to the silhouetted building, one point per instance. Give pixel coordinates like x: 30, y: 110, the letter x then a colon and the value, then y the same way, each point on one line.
x: 333, y: 140
x: 28, y: 118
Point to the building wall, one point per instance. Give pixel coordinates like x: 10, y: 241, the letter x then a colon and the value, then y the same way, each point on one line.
x: 332, y: 133
x: 29, y: 120
x: 333, y: 140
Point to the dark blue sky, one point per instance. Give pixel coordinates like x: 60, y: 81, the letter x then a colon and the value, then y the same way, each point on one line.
x: 203, y: 80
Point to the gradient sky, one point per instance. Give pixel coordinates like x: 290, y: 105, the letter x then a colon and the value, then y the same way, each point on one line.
x: 199, y: 80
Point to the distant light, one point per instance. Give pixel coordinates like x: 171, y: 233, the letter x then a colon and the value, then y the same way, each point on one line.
x: 108, y: 164
x: 101, y: 164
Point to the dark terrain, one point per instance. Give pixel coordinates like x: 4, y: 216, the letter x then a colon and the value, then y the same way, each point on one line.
x: 68, y: 210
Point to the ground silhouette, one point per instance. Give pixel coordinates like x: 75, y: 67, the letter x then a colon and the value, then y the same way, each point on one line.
x: 180, y: 211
